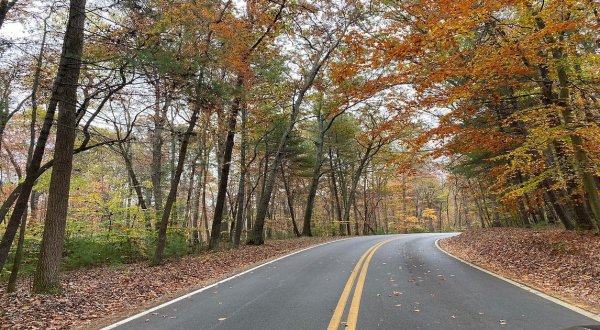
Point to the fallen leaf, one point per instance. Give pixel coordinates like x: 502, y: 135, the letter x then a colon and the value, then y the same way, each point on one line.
x: 94, y: 293
x: 553, y: 261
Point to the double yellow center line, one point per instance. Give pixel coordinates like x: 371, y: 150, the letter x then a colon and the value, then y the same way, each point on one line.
x: 361, y: 266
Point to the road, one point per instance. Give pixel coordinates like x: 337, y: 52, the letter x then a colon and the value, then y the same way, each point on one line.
x: 405, y: 282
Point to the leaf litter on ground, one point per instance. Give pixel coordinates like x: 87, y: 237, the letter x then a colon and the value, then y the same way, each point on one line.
x: 560, y: 263
x: 92, y: 294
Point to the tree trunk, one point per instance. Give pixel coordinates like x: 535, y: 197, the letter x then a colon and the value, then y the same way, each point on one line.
x: 189, y: 200
x: 355, y: 179
x: 164, y: 222
x: 290, y: 203
x: 367, y: 218
x: 157, y: 145
x: 20, y: 196
x: 338, y: 206
x: 558, y: 209
x: 46, y: 279
x: 344, y: 191
x: 215, y: 235
x: 241, y: 198
x: 12, y: 281
x: 18, y: 259
x: 581, y: 161
x: 256, y: 237
x: 196, y: 234
x: 316, y: 175
x: 174, y: 218
x: 5, y: 7
x: 204, y: 206
x: 310, y: 202
x: 137, y: 187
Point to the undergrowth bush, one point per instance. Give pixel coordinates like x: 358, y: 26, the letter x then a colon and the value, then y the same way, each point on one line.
x: 415, y: 230
x: 83, y: 249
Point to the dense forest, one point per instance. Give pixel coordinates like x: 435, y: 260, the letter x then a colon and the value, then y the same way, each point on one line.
x: 143, y: 130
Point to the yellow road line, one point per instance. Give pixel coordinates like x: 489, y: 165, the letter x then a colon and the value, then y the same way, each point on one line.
x: 353, y: 312
x: 336, y: 319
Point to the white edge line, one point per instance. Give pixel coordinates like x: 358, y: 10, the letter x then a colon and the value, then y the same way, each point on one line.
x: 114, y: 325
x: 595, y: 317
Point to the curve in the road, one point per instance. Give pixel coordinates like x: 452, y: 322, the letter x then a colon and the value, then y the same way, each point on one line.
x: 405, y: 283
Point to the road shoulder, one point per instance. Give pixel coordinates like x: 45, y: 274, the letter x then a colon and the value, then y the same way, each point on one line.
x: 97, y: 297
x: 119, y: 319
x: 442, y: 245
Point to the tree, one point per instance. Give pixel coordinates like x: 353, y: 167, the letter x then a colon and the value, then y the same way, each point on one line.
x: 5, y: 7
x: 21, y: 196
x: 47, y: 279
x: 327, y: 44
x: 503, y: 82
x: 200, y: 100
x: 232, y: 119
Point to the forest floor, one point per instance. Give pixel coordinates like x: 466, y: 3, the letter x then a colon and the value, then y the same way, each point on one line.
x: 563, y: 264
x: 96, y: 297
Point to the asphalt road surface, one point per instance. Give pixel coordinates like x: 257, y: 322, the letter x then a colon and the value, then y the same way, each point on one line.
x: 373, y: 282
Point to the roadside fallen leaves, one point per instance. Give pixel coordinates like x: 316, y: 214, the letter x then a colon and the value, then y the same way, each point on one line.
x: 564, y: 264
x: 91, y: 294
